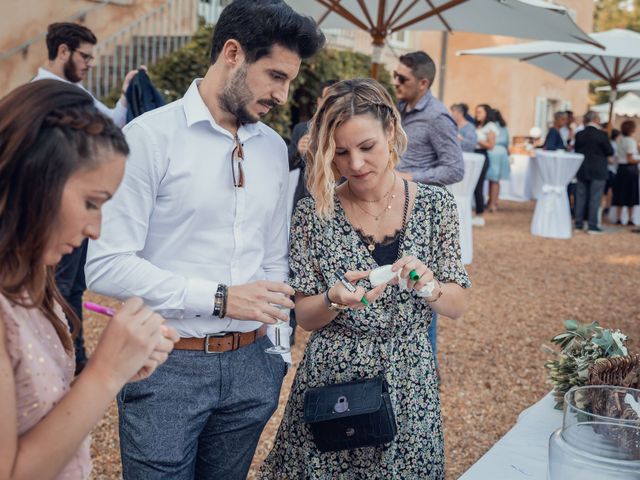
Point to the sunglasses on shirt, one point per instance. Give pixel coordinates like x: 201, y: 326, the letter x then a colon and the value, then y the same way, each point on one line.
x: 237, y: 155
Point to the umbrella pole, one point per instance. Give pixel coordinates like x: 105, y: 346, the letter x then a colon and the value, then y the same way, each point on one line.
x: 612, y: 100
x: 376, y: 56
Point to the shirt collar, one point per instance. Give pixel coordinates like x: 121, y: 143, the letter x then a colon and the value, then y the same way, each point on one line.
x: 421, y: 105
x: 43, y: 73
x: 196, y: 111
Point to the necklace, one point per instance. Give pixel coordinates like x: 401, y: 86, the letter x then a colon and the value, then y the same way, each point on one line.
x: 389, y: 196
x: 369, y: 241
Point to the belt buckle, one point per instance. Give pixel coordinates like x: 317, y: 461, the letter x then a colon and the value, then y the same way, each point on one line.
x: 212, y: 335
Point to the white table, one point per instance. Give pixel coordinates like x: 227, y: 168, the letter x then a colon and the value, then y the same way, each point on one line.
x: 463, y: 193
x: 519, y: 187
x: 552, y: 216
x: 523, y: 453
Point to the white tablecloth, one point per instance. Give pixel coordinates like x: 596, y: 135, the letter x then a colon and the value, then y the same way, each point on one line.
x: 519, y: 187
x: 524, y: 451
x: 463, y: 192
x: 552, y: 216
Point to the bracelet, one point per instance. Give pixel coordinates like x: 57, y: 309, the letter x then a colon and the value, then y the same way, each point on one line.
x: 332, y: 305
x: 433, y: 300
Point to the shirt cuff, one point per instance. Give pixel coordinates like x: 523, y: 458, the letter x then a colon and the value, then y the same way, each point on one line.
x: 199, y: 297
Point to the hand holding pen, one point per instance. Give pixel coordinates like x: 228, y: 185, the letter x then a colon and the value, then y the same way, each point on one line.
x: 133, y: 344
x: 355, y: 297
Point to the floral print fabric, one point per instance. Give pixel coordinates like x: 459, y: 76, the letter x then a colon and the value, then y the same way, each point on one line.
x: 387, y: 338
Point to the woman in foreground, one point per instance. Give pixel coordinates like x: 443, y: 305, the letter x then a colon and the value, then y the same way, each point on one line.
x: 60, y: 161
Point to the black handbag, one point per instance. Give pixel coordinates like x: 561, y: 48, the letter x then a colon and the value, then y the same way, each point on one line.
x: 344, y: 416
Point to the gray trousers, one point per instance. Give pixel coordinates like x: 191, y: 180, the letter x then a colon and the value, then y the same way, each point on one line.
x: 588, y: 196
x: 199, y: 416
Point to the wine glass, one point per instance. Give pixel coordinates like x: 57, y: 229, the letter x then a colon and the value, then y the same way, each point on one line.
x: 280, y: 329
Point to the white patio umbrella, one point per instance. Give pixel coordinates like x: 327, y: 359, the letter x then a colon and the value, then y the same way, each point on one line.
x: 628, y: 106
x: 535, y: 19
x: 623, y: 87
x: 617, y: 63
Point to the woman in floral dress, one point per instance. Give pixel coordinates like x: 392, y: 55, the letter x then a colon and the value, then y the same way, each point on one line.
x: 374, y: 218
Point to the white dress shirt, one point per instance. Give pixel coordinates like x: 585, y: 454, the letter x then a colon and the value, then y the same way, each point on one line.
x: 177, y: 225
x: 118, y: 114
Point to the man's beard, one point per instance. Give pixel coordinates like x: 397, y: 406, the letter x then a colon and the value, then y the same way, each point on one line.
x: 236, y: 96
x: 70, y: 71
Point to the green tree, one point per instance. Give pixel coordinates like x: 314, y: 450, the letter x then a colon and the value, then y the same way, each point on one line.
x: 610, y: 14
x: 173, y: 74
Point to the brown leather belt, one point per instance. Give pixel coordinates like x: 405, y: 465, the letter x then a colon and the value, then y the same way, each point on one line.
x: 221, y: 342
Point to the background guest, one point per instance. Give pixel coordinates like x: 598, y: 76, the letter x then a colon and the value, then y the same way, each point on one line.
x: 466, y: 130
x: 594, y: 144
x: 554, y: 139
x: 487, y: 132
x: 625, y: 184
x: 499, y: 167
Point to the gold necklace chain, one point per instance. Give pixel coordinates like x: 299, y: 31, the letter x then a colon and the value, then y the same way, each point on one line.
x: 375, y: 216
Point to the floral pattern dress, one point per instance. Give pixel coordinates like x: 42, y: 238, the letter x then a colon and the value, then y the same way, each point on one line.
x: 389, y: 337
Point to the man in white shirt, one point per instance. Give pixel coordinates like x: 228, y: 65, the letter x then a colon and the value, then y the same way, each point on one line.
x: 198, y: 229
x: 70, y: 51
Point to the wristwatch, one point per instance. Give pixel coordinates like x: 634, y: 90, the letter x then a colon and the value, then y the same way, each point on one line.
x: 220, y: 301
x: 332, y: 305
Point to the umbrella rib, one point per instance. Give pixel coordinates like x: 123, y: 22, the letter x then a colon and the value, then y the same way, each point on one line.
x: 633, y: 77
x: 586, y: 64
x: 444, y: 22
x: 631, y: 64
x: 572, y: 74
x: 395, y: 9
x: 363, y: 6
x: 606, y: 68
x: 334, y: 6
x: 442, y: 8
x: 537, y: 55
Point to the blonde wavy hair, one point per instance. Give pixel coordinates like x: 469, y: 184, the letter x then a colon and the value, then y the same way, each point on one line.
x: 343, y: 101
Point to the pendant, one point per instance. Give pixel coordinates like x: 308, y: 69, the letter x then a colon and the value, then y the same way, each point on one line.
x: 371, y: 247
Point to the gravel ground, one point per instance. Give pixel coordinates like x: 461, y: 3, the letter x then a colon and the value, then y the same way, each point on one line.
x: 491, y: 362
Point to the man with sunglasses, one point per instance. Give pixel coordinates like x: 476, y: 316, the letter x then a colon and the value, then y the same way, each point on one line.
x: 70, y: 51
x: 198, y: 229
x: 433, y: 154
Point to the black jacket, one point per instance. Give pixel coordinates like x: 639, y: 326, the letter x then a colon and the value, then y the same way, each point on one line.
x: 594, y: 144
x: 142, y: 96
x: 297, y: 161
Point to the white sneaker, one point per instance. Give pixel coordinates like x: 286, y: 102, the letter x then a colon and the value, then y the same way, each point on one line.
x: 477, y: 221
